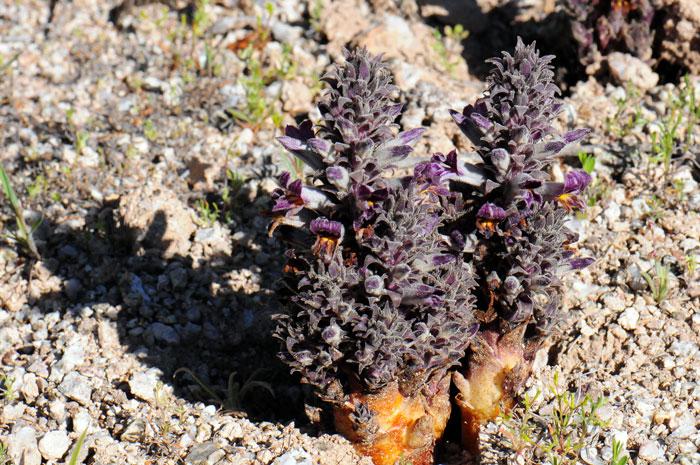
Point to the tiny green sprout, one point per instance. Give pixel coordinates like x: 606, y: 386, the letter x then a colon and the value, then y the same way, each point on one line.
x: 561, y: 435
x: 200, y: 19
x: 619, y: 454
x: 209, y: 212
x: 659, y: 283
x: 160, y: 396
x: 656, y: 207
x: 76, y: 451
x: 24, y: 235
x: 81, y: 138
x: 679, y: 189
x: 315, y: 14
x: 149, y: 130
x: 691, y: 263
x: 37, y: 187
x: 4, y: 459
x: 5, y: 66
x: 587, y: 161
x: 7, y: 392
x: 456, y: 33
x: 617, y: 124
x: 688, y: 96
x: 235, y: 392
x: 236, y: 181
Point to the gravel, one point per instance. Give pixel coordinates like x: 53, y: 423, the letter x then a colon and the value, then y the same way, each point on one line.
x: 136, y: 281
x: 54, y: 445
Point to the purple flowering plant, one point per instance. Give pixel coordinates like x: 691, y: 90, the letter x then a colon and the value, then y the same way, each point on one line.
x: 392, y: 283
x: 510, y: 225
x: 379, y: 306
x: 603, y: 26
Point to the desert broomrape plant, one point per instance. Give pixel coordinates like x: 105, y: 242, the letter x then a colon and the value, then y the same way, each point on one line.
x: 378, y: 300
x: 603, y: 26
x: 394, y: 287
x: 510, y: 227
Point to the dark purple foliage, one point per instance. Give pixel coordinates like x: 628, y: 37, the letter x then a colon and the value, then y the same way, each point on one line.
x: 604, y: 26
x: 511, y: 216
x: 380, y: 295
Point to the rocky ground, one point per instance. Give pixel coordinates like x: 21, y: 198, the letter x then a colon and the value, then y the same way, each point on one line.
x: 146, y: 143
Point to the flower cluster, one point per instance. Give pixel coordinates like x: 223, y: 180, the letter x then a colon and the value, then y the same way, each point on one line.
x: 511, y: 214
x: 376, y: 296
x: 394, y: 281
x: 602, y: 26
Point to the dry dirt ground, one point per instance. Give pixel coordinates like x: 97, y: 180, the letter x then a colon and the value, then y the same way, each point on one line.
x: 146, y: 143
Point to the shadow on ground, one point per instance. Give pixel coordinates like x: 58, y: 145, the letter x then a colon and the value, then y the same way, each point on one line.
x: 177, y: 313
x: 496, y: 30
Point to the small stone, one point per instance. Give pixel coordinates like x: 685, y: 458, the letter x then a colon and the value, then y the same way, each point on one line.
x: 614, y: 302
x: 589, y: 455
x: 68, y: 155
x: 645, y: 408
x: 341, y: 27
x: 683, y: 348
x: 143, y: 385
x: 264, y: 456
x: 185, y: 441
x: 200, y: 453
x: 687, y: 447
x: 72, y: 288
x: 627, y: 68
x: 231, y: 431
x: 89, y: 158
x: 135, y: 431
x: 297, y: 97
x: 285, y: 33
x: 74, y: 355
x: 165, y: 333
x: 83, y: 421
x: 686, y: 426
x: 29, y: 389
x: 628, y: 319
x: 54, y: 445
x: 178, y: 278
x: 153, y: 84
x: 650, y: 450
x: 193, y: 314
x: 294, y: 457
x: 612, y: 214
x: 132, y: 291
x: 22, y: 447
x: 57, y: 408
x: 107, y: 334
x: 157, y: 219
x: 77, y: 387
x: 11, y: 413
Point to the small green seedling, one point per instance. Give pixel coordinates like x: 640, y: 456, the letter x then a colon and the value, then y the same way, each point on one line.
x: 24, y: 235
x: 439, y: 45
x: 76, y: 451
x: 691, y: 263
x: 623, y: 122
x: 587, y: 161
x: 561, y: 435
x: 235, y: 392
x: 4, y: 458
x: 659, y: 283
x: 619, y: 454
x: 208, y: 211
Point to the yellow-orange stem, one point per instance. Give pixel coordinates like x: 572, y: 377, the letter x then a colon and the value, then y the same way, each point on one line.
x: 401, y: 427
